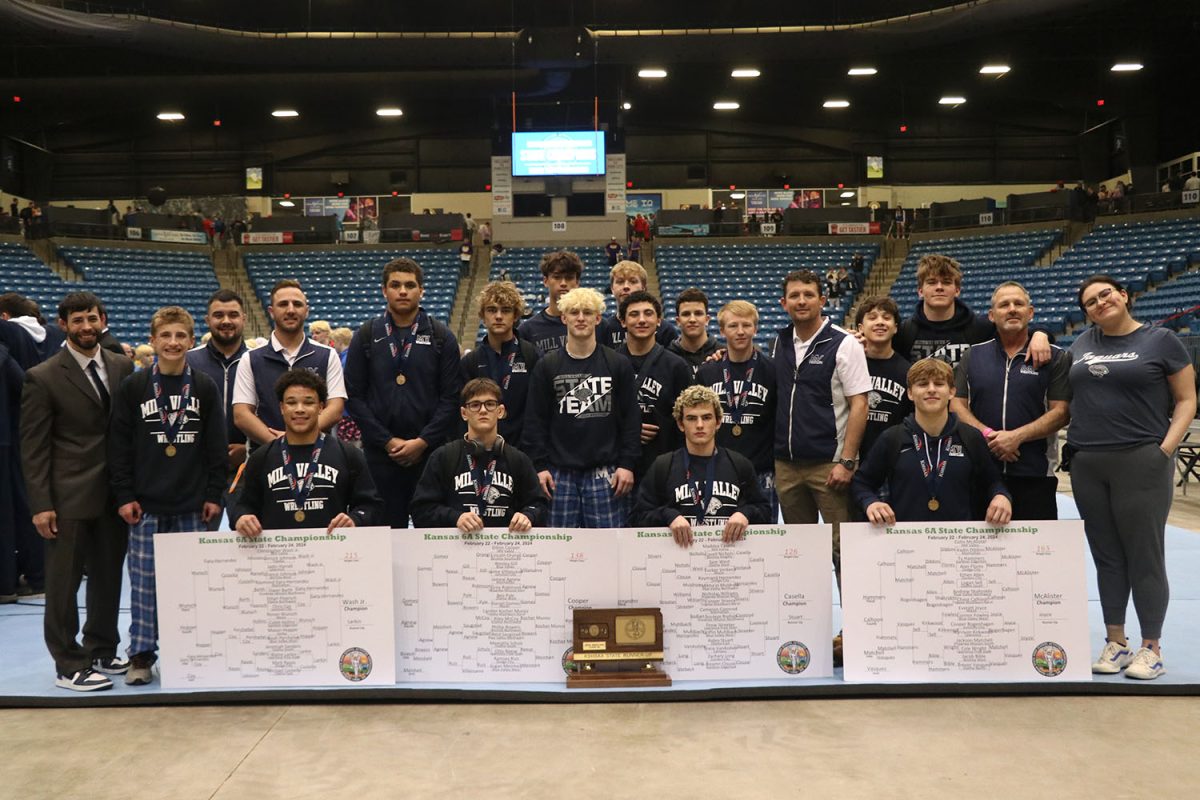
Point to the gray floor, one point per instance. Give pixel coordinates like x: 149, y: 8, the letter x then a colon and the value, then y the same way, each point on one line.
x: 951, y: 748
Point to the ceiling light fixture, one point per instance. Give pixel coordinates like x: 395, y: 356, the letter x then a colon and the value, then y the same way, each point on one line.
x: 285, y: 112
x: 390, y: 111
x: 627, y: 105
x: 737, y: 196
x: 836, y: 104
x: 726, y: 105
x: 994, y: 69
x: 952, y: 100
x: 862, y: 71
x: 847, y: 193
x: 287, y: 204
x: 652, y: 73
x: 745, y: 73
x: 170, y: 116
x: 1126, y: 66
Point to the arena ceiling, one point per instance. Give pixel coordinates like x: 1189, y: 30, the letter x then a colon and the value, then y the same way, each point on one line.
x: 89, y: 80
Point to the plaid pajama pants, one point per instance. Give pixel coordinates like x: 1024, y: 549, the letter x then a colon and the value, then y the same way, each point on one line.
x: 584, y: 499
x: 143, y: 629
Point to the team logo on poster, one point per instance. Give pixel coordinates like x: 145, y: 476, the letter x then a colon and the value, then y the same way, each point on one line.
x: 793, y: 657
x: 1049, y: 659
x: 355, y: 664
x: 568, y: 661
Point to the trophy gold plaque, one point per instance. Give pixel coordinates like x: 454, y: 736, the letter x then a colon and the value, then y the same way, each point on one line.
x: 617, y: 648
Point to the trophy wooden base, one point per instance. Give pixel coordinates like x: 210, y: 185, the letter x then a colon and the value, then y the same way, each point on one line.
x: 618, y: 680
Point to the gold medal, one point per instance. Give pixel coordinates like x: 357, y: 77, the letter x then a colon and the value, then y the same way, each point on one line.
x: 171, y: 451
x: 737, y: 430
x: 299, y: 515
x: 933, y: 504
x: 401, y: 380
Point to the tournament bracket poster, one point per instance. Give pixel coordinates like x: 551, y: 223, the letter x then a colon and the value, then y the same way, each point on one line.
x: 965, y: 601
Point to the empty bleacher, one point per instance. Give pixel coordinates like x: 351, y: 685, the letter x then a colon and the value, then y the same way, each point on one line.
x: 751, y: 272
x: 343, y: 286
x: 23, y: 272
x: 135, y: 282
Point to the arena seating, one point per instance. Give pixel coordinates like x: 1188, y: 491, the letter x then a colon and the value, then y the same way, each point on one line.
x: 23, y: 272
x: 1176, y: 300
x: 343, y: 286
x: 134, y: 283
x: 751, y: 272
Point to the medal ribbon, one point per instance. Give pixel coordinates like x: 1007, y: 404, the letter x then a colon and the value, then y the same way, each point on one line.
x: 301, y: 487
x: 499, y: 366
x: 400, y: 352
x: 484, y: 482
x: 701, y: 493
x: 932, y: 469
x: 171, y: 429
x: 737, y: 401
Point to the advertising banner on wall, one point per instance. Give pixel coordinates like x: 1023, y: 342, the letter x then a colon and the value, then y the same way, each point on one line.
x: 502, y: 202
x: 337, y: 207
x: 614, y: 183
x: 314, y: 206
x: 179, y: 237
x: 644, y: 203
x: 853, y: 228
x: 764, y: 201
x: 267, y: 237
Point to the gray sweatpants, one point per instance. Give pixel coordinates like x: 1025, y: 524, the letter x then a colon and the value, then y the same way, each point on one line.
x: 1123, y: 497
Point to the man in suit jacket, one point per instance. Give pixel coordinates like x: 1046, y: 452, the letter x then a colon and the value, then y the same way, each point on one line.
x: 65, y: 407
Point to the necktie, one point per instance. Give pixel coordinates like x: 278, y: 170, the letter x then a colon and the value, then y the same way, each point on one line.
x: 100, y: 390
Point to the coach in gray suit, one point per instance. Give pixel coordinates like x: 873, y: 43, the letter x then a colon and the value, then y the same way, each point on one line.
x: 65, y: 407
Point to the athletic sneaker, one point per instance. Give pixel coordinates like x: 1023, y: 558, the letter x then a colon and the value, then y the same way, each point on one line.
x: 141, y: 670
x: 85, y: 680
x: 1146, y: 665
x: 1113, y: 658
x: 112, y: 665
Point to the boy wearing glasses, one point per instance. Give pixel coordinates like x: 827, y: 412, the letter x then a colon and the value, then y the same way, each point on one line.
x: 480, y: 481
x: 503, y: 356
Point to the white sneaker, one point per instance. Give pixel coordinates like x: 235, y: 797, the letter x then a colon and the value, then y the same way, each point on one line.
x: 1113, y: 658
x: 1146, y: 665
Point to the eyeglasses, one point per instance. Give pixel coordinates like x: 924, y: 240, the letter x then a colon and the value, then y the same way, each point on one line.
x: 1103, y: 294
x: 477, y: 405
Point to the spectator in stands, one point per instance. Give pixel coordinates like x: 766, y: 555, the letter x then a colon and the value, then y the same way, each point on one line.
x: 641, y: 227
x: 255, y: 409
x: 625, y: 278
x: 65, y: 408
x: 585, y: 442
x: 887, y: 402
x: 943, y: 326
x: 143, y: 357
x: 744, y: 380
x: 25, y: 314
x: 109, y: 340
x: 472, y: 227
x: 613, y: 251
x: 502, y: 356
x: 691, y: 313
x: 319, y: 330
x: 482, y: 480
x: 1016, y: 407
x: 464, y: 258
x: 167, y: 462
x: 635, y: 248
x: 305, y: 479
x: 218, y: 358
x: 561, y: 271
x: 901, y: 218
x: 13, y: 211
x: 934, y: 466
x: 402, y: 372
x: 1192, y: 183
x: 485, y: 233
x: 822, y: 371
x: 339, y: 340
x: 659, y: 376
x: 701, y: 483
x: 114, y: 215
x: 1125, y: 376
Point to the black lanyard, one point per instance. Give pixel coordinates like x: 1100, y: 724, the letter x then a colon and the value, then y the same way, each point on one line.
x: 701, y: 493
